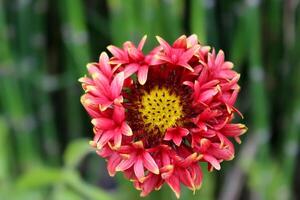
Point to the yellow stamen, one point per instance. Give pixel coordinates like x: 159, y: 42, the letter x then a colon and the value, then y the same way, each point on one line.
x: 160, y: 109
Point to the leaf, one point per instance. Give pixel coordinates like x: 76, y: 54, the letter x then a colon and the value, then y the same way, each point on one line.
x: 73, y: 180
x: 38, y: 177
x: 62, y: 192
x: 4, y: 151
x: 75, y: 152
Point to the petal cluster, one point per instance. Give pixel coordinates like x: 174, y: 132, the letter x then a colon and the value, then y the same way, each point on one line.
x: 205, y: 133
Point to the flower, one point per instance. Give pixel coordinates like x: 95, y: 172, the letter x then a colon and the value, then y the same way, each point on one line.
x: 157, y: 116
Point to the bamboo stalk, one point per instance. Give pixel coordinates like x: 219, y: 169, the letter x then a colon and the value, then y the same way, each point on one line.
x: 198, y: 19
x: 291, y: 140
x: 44, y: 109
x: 121, y: 11
x: 13, y: 103
x: 75, y: 40
x: 5, y: 151
x: 172, y: 18
x: 256, y: 147
x: 260, y: 110
x: 212, y: 32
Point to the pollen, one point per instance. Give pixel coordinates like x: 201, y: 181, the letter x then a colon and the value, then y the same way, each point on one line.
x: 160, y: 109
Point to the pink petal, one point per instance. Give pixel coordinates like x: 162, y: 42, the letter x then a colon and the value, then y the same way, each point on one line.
x: 105, y: 152
x: 174, y: 184
x: 188, y: 83
x: 102, y: 83
x: 117, y: 52
x: 177, y: 140
x: 214, y: 162
x: 85, y: 80
x: 197, y: 175
x: 164, y: 44
x: 142, y: 74
x: 208, y: 94
x: 126, y: 130
x: 163, y: 58
x: 186, y: 179
x: 187, y: 55
x: 192, y: 40
x: 166, y: 159
x: 112, y: 163
x: 149, y: 185
x: 154, y: 60
x: 142, y: 42
x: 106, y: 136
x: 117, y: 84
x: 104, y: 64
x: 233, y: 130
x: 169, y: 134
x: 227, y: 65
x: 103, y: 123
x: 117, y: 139
x: 221, y: 153
x: 119, y: 114
x: 196, y: 90
x: 92, y: 68
x: 126, y: 164
x: 135, y: 54
x: 203, y: 75
x: 180, y: 42
x: 185, y: 65
x: 205, y: 144
x: 149, y: 163
x: 130, y: 69
x: 183, y: 131
x: 176, y: 134
x: 220, y: 58
x: 105, y: 105
x: 139, y: 169
x: 118, y: 100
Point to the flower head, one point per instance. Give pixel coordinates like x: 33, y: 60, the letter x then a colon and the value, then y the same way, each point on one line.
x: 157, y: 116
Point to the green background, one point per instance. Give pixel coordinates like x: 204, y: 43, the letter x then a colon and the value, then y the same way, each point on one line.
x: 44, y: 131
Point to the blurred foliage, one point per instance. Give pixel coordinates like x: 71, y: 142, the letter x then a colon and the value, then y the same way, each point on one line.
x: 45, y: 45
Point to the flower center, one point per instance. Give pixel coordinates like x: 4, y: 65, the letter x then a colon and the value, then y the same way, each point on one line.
x: 160, y: 109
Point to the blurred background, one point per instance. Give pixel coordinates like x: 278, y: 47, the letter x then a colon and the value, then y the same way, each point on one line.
x: 44, y: 130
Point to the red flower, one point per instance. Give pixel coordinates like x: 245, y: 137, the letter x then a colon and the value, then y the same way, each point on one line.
x: 133, y: 58
x: 156, y: 128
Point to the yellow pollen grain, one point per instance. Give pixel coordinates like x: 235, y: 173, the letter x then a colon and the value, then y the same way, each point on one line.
x: 160, y: 109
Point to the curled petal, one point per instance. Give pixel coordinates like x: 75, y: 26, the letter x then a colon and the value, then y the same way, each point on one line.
x: 103, y: 123
x: 105, y: 137
x: 150, y: 164
x: 150, y: 183
x: 214, y: 162
x: 112, y: 163
x: 142, y: 42
x: 126, y: 164
x: 104, y: 64
x: 192, y: 40
x: 117, y: 84
x: 142, y: 74
x: 174, y: 184
x: 130, y: 69
x: 119, y: 114
x: 180, y: 42
x: 176, y: 134
x: 139, y: 170
x: 117, y: 139
x: 167, y: 48
x: 126, y: 130
x: 117, y: 52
